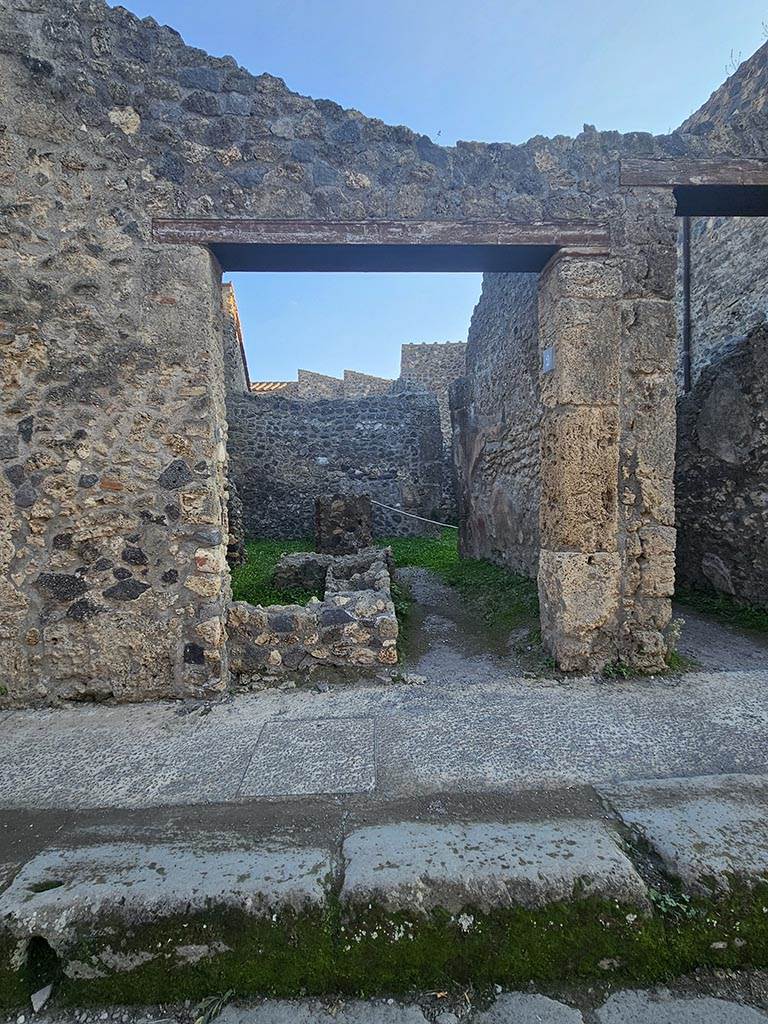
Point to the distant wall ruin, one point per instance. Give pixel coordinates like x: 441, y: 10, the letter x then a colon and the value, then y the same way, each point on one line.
x: 429, y: 369
x: 283, y: 453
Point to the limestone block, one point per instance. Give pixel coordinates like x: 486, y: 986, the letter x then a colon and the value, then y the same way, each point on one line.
x: 581, y: 277
x: 579, y: 466
x: 648, y: 336
x: 648, y: 444
x: 584, y: 337
x: 579, y: 595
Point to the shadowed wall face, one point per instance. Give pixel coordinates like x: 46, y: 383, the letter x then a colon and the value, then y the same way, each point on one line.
x: 496, y: 426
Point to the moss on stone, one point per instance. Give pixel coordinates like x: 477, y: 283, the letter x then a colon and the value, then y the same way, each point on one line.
x: 368, y: 951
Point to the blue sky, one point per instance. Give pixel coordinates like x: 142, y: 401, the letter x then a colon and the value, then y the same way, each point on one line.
x: 486, y: 70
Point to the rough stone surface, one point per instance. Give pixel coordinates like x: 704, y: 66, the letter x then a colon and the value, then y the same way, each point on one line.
x: 334, y: 755
x: 722, y: 473
x: 707, y: 831
x: 343, y: 523
x: 354, y: 626
x: 416, y: 867
x: 663, y: 1008
x: 60, y: 892
x: 284, y: 453
x: 520, y: 1008
x: 423, y: 367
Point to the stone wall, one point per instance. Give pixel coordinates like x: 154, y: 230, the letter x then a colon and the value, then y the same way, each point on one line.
x: 722, y: 473
x: 435, y: 367
x: 497, y: 412
x: 353, y: 627
x: 235, y: 362
x: 112, y: 358
x: 284, y: 453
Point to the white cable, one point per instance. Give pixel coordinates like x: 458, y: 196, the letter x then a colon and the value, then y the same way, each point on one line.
x: 413, y: 515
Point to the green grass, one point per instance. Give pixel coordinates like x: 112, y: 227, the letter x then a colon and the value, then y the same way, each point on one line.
x: 502, y: 599
x: 252, y: 581
x: 725, y: 608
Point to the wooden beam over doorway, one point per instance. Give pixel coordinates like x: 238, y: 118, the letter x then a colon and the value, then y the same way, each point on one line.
x: 402, y: 245
x: 682, y: 172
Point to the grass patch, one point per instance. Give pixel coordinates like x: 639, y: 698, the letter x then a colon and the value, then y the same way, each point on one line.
x: 252, y: 581
x: 502, y: 599
x: 724, y: 608
x: 403, y: 602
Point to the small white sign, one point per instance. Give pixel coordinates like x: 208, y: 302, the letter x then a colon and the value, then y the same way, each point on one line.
x: 548, y: 360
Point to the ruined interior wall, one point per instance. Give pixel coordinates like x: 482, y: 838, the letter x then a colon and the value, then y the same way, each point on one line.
x: 496, y: 426
x: 722, y: 473
x: 235, y: 366
x: 434, y: 367
x: 284, y: 453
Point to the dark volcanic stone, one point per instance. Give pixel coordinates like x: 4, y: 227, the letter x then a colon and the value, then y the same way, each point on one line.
x: 335, y: 617
x: 175, y: 475
x: 134, y: 556
x: 170, y: 576
x: 282, y: 623
x: 62, y: 541
x: 25, y: 428
x: 15, y: 474
x: 9, y: 446
x: 88, y: 480
x: 194, y: 654
x: 26, y: 496
x: 61, y: 586
x: 82, y: 609
x: 121, y: 573
x: 126, y: 590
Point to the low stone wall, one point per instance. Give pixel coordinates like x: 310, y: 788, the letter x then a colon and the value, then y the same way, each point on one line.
x: 284, y: 453
x: 722, y: 473
x: 496, y: 415
x: 353, y: 627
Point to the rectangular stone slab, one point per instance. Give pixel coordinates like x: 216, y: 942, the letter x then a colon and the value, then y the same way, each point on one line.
x: 324, y: 755
x: 707, y: 831
x: 60, y: 891
x: 418, y: 867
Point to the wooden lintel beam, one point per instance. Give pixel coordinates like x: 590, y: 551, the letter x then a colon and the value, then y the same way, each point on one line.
x: 577, y: 234
x: 682, y: 172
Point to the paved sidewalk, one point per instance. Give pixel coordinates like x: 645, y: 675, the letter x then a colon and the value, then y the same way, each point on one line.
x: 388, y: 741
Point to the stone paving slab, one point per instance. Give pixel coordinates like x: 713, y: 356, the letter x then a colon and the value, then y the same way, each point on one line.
x: 59, y: 891
x: 417, y: 866
x: 705, y: 830
x: 656, y: 1008
x: 522, y: 1008
x: 325, y: 755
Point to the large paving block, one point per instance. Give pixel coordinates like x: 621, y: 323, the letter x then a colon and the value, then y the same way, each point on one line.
x: 171, y: 919
x: 418, y: 867
x: 323, y: 755
x: 709, y: 832
x: 662, y: 1008
x: 524, y: 1008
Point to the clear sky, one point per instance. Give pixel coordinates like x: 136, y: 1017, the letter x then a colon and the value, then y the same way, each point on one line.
x: 487, y: 70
